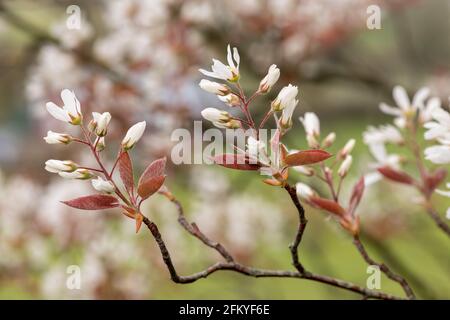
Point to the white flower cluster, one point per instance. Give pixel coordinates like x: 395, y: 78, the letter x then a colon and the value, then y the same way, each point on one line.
x: 420, y: 113
x: 285, y: 102
x: 71, y: 113
x: 438, y: 129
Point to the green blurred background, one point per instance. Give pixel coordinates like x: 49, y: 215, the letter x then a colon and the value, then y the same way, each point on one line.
x: 139, y: 60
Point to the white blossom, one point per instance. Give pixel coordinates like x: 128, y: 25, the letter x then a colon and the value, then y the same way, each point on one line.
x: 257, y: 150
x: 378, y: 151
x: 100, y: 123
x: 133, y: 135
x: 347, y: 149
x: 405, y: 108
x: 382, y: 134
x: 220, y: 119
x: 57, y: 138
x: 345, y: 166
x: 228, y: 72
x: 305, y: 170
x: 270, y: 79
x: 304, y: 191
x: 214, y: 87
x: 231, y: 99
x: 311, y: 123
x: 329, y: 140
x: 427, y: 110
x: 285, y: 98
x: 286, y: 116
x: 440, y: 128
x: 80, y: 174
x: 57, y: 166
x: 70, y: 112
x: 439, y: 154
x: 102, y: 185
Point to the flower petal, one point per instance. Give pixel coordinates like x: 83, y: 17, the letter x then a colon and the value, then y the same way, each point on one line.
x: 57, y: 112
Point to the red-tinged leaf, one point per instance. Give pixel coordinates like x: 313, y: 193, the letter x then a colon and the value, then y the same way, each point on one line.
x: 139, y: 219
x: 126, y: 172
x: 155, y: 169
x: 283, y: 153
x: 395, y: 175
x: 435, y: 179
x: 128, y: 211
x: 235, y: 161
x: 94, y: 202
x: 358, y: 191
x: 328, y: 205
x: 150, y: 186
x: 306, y: 157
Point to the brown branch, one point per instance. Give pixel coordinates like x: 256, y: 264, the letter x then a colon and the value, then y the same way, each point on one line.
x: 193, y: 229
x: 438, y: 220
x: 300, y: 230
x: 391, y: 275
x: 232, y: 265
x: 255, y: 272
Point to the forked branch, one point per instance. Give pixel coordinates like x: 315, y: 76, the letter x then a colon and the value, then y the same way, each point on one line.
x: 231, y: 265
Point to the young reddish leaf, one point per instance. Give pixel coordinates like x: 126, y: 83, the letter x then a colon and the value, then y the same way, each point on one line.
x: 434, y: 179
x: 150, y: 186
x: 357, y: 194
x: 139, y: 219
x: 306, y: 157
x: 155, y: 169
x: 328, y: 205
x: 126, y: 172
x: 395, y: 175
x: 94, y: 202
x: 235, y: 161
x: 283, y: 153
x: 129, y: 212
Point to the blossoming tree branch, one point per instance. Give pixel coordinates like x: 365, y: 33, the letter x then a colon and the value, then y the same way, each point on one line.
x: 274, y: 160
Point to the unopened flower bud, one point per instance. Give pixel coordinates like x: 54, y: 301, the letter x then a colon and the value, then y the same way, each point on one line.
x: 214, y: 87
x: 102, y: 185
x: 285, y: 98
x: 347, y: 148
x: 304, y: 170
x: 311, y: 123
x: 133, y: 135
x: 286, y: 117
x: 99, y: 123
x: 345, y: 166
x: 312, y: 141
x: 57, y: 166
x: 57, y: 138
x: 304, y: 191
x: 269, y: 80
x: 79, y: 174
x: 329, y: 140
x: 231, y: 100
x: 220, y: 119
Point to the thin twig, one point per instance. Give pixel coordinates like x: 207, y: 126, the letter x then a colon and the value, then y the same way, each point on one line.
x: 232, y: 265
x: 391, y: 275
